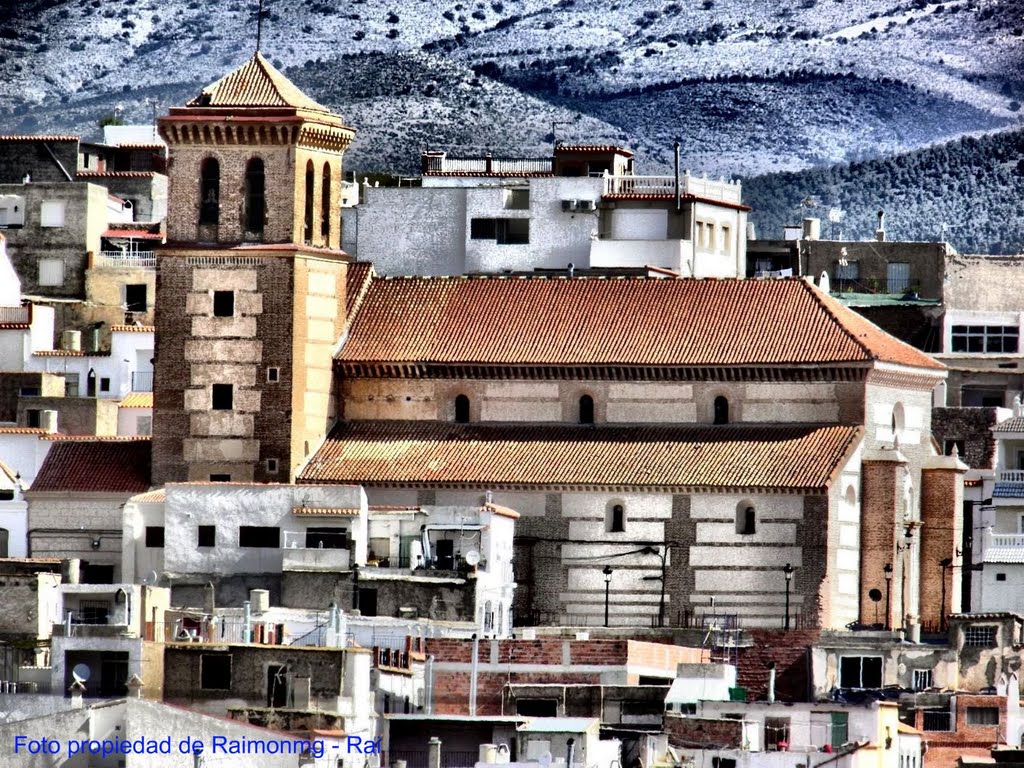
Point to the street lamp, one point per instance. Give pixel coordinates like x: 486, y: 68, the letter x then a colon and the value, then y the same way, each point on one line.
x: 887, y: 570
x: 607, y: 585
x: 787, y: 571
x: 663, y: 554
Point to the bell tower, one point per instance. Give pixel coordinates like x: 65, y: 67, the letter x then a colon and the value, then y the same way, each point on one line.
x: 251, y: 282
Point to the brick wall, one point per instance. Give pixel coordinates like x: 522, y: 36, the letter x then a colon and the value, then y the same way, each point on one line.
x: 941, y: 538
x: 973, y: 426
x: 790, y: 652
x: 879, y: 498
x: 945, y: 747
x: 703, y: 732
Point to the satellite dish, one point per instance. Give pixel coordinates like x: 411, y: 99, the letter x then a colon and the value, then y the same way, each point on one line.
x: 81, y: 673
x: 875, y: 595
x: 151, y: 578
x: 472, y: 557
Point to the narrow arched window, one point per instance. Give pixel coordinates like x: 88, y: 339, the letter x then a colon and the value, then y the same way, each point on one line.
x: 746, y: 518
x: 325, y: 205
x: 5, y: 542
x: 615, y: 518
x: 255, y: 196
x: 209, y: 192
x: 462, y: 409
x: 721, y: 410
x: 308, y: 235
x: 586, y: 410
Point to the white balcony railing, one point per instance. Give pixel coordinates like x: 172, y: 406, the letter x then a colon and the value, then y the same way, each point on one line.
x: 125, y: 259
x: 1005, y: 540
x: 1012, y: 476
x: 16, y: 314
x: 725, y: 191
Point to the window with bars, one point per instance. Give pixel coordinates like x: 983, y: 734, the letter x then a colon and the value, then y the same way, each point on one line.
x: 922, y: 679
x: 980, y: 637
x: 988, y: 339
x: 983, y: 715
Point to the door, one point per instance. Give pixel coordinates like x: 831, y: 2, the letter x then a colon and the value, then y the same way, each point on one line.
x: 277, y: 685
x: 368, y: 601
x: 898, y: 274
x: 445, y: 554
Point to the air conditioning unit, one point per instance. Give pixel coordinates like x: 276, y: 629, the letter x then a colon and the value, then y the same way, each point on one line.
x: 588, y: 205
x: 569, y: 205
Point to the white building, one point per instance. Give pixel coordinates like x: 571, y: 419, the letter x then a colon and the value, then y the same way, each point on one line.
x: 583, y: 207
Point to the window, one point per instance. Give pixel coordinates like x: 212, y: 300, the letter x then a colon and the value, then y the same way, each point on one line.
x: 144, y: 425
x: 51, y: 272
x: 51, y: 213
x: 104, y: 384
x: 271, y: 466
x: 517, y: 199
x: 721, y: 762
x: 848, y: 272
x: 70, y: 385
x: 223, y: 303
x: 898, y: 276
x: 980, y: 637
x: 325, y: 204
x: 29, y: 392
x: 259, y: 536
x: 727, y: 240
x: 155, y: 536
x: 273, y: 375
x: 721, y: 410
x: 537, y: 707
x: 922, y: 679
x: 860, y: 672
x: 746, y: 518
x: 985, y: 338
x: 586, y: 410
x: 308, y: 210
x: 207, y: 536
x: 462, y: 409
x: 328, y: 538
x: 135, y: 297
x: 502, y: 231
x: 949, y: 445
x: 255, y: 203
x: 983, y: 716
x: 776, y: 732
x: 937, y: 720
x: 215, y: 671
x: 32, y: 417
x: 220, y: 478
x: 223, y: 397
x: 6, y: 494
x: 209, y: 192
x: 615, y: 518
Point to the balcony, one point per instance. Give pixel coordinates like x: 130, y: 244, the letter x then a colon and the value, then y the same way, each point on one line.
x: 665, y: 186
x: 16, y: 315
x: 436, y: 164
x: 1012, y: 476
x: 92, y: 630
x: 124, y: 260
x: 298, y: 556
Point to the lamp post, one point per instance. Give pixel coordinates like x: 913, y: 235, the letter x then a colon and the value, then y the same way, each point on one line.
x: 787, y: 571
x: 607, y: 585
x: 887, y: 570
x: 663, y: 554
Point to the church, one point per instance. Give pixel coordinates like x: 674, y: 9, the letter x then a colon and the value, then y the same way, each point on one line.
x: 676, y: 448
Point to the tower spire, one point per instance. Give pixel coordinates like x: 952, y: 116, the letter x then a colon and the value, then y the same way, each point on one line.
x: 259, y: 25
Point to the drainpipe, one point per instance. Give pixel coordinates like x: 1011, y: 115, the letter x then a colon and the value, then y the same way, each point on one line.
x: 247, y: 629
x: 570, y: 751
x: 428, y: 686
x: 473, y: 675
x: 679, y: 201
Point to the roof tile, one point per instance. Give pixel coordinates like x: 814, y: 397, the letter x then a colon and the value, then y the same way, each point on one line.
x: 111, y: 466
x: 639, y: 321
x: 255, y: 84
x: 762, y: 456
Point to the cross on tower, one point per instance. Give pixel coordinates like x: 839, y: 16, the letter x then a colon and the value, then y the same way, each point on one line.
x: 259, y: 25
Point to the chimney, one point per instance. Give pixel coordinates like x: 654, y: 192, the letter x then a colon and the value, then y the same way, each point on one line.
x: 77, y: 689
x: 71, y: 340
x: 135, y: 687
x: 48, y: 421
x: 209, y: 598
x: 880, y: 232
x: 812, y: 229
x: 434, y: 752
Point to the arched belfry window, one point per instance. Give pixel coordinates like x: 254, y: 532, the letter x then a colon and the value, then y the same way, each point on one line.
x: 746, y: 518
x: 721, y: 410
x: 462, y: 409
x: 310, y: 183
x: 325, y: 205
x: 615, y: 517
x: 209, y: 192
x: 586, y: 410
x: 255, y: 196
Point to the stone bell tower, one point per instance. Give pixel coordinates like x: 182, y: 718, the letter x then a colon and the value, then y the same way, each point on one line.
x: 251, y: 282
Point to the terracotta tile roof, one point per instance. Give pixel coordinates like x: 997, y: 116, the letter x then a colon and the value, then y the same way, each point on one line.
x: 12, y: 430
x: 137, y: 400
x: 1014, y: 424
x: 14, y: 326
x: 255, y: 84
x: 325, y: 512
x: 115, y: 174
x: 137, y: 234
x: 593, y: 148
x: 360, y: 274
x: 151, y: 497
x: 132, y: 329
x: 631, y: 321
x: 100, y: 466
x: 671, y: 196
x: 57, y: 436
x: 432, y: 453
x: 14, y: 137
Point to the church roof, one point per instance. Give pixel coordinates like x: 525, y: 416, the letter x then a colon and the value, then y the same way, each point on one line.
x: 623, y: 321
x: 801, y: 456
x: 255, y: 84
x: 97, y: 465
